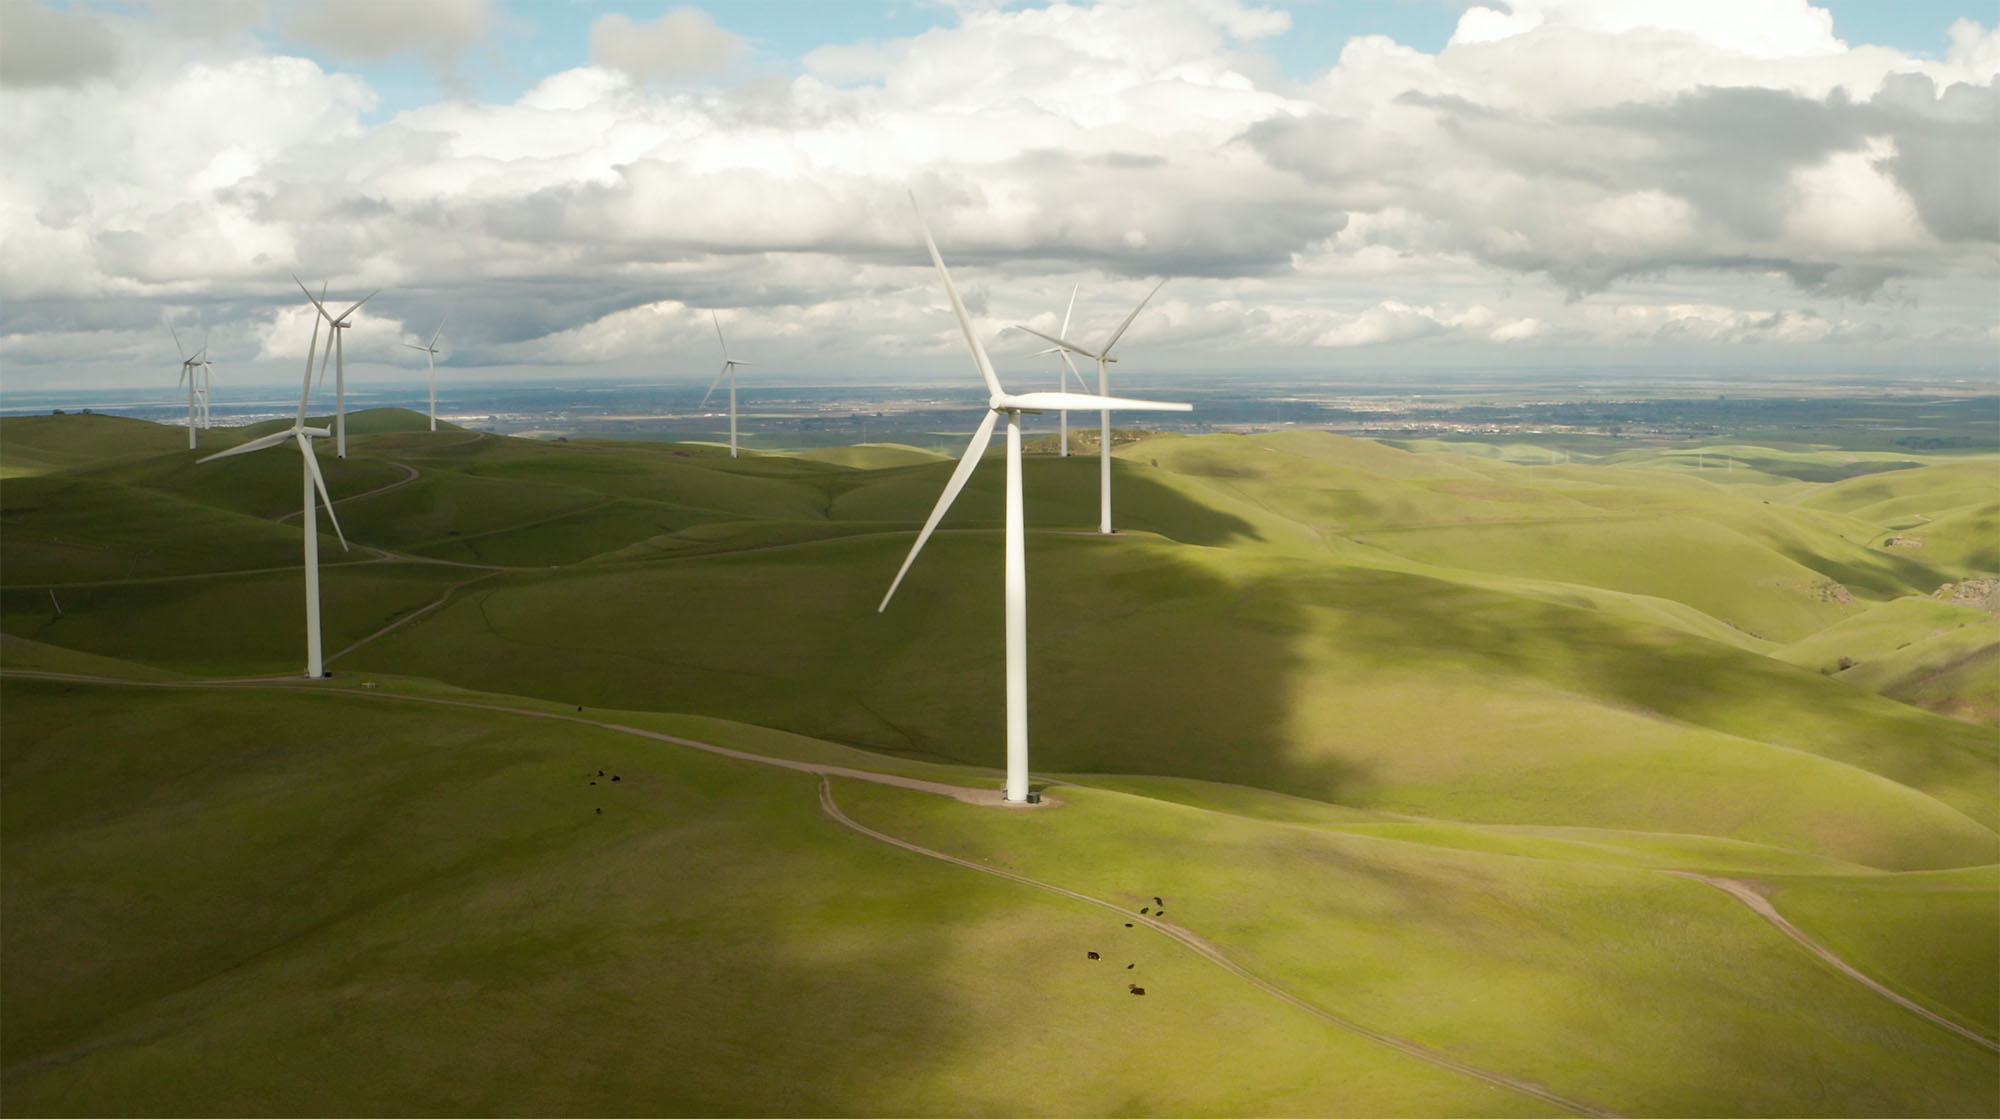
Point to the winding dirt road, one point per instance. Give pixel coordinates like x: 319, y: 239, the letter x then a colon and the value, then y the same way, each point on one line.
x: 1762, y: 906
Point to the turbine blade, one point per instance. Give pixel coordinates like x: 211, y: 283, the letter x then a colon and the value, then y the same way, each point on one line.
x: 420, y: 349
x: 1080, y: 382
x: 1066, y: 312
x: 1120, y: 332
x: 712, y: 388
x: 309, y: 295
x: 440, y: 330
x: 966, y: 463
x: 305, y: 390
x: 332, y: 337
x: 718, y: 333
x: 257, y: 444
x: 319, y: 483
x: 1083, y: 402
x: 378, y: 291
x: 979, y: 357
x: 177, y: 341
x: 1072, y: 347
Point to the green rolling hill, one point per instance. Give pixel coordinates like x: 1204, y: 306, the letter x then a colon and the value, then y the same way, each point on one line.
x: 1427, y: 741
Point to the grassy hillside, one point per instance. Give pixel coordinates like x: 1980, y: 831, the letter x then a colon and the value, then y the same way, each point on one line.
x: 39, y: 444
x: 423, y: 909
x: 1414, y: 734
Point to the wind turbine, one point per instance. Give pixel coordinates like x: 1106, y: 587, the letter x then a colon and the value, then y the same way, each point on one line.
x: 1103, y: 359
x: 999, y: 402
x: 1062, y: 384
x: 729, y: 365
x: 188, y: 375
x: 302, y: 436
x: 338, y: 324
x: 430, y: 358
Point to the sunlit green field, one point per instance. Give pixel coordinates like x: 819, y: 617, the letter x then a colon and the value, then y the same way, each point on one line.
x: 1423, y: 738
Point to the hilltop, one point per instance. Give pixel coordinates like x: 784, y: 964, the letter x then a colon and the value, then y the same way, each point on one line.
x: 1431, y: 741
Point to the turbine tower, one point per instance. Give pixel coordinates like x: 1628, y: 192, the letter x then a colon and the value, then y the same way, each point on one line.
x: 301, y: 436
x: 192, y: 379
x: 999, y: 403
x: 1062, y: 385
x: 729, y: 365
x: 206, y: 365
x: 430, y: 358
x: 1104, y: 359
x: 338, y: 324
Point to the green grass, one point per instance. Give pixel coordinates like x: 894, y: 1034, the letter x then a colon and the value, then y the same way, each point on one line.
x: 32, y: 445
x: 1556, y: 971
x: 59, y: 529
x: 1929, y: 935
x: 1413, y: 733
x: 872, y: 456
x: 420, y: 911
x: 252, y: 623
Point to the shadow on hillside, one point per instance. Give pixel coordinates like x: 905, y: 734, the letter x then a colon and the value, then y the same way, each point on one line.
x: 1882, y: 574
x: 1059, y: 493
x: 1138, y: 659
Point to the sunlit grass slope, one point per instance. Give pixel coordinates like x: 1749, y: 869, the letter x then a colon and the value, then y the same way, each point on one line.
x: 1931, y: 934
x: 1768, y: 570
x: 210, y: 909
x: 38, y: 444
x: 1643, y: 992
x: 872, y: 456
x: 1906, y: 497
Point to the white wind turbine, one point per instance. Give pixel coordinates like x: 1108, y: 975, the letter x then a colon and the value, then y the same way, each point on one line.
x: 999, y: 402
x: 192, y: 379
x: 1103, y: 359
x: 338, y: 324
x: 430, y: 350
x: 729, y: 365
x: 1062, y: 383
x: 302, y: 436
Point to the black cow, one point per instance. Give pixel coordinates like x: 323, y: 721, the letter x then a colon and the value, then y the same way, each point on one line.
x: 1092, y: 955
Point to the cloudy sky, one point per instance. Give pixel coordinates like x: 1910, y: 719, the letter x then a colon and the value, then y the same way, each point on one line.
x: 1732, y: 184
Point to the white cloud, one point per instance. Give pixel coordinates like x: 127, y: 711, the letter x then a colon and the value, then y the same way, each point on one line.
x: 1563, y: 174
x: 684, y: 43
x: 365, y: 29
